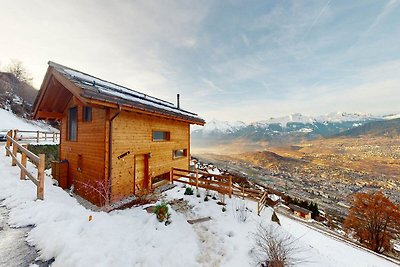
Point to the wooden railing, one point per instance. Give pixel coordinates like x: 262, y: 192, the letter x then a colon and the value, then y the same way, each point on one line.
x: 262, y: 203
x: 37, y: 135
x: 245, y: 192
x: 39, y: 161
x: 219, y: 183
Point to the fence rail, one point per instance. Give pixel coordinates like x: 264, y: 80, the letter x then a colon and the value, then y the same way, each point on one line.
x: 262, y: 203
x: 37, y: 135
x: 219, y: 183
x: 39, y: 161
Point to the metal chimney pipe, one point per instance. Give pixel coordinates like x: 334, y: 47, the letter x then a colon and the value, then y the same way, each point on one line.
x: 178, y: 105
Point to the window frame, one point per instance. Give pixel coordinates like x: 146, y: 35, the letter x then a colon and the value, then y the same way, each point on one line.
x: 84, y: 113
x: 69, y: 126
x: 167, y: 134
x: 184, y: 154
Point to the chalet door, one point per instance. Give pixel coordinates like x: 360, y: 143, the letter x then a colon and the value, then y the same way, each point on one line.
x: 141, y: 170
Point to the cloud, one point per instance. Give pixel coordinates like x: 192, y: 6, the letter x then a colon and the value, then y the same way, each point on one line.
x: 212, y: 85
x: 388, y: 7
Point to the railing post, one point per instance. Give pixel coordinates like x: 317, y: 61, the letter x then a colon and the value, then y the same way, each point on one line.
x: 230, y: 186
x: 8, y: 142
x: 197, y: 179
x: 45, y: 136
x: 171, y: 176
x: 40, y: 187
x: 37, y: 136
x: 15, y: 148
x: 23, y: 162
x: 54, y: 137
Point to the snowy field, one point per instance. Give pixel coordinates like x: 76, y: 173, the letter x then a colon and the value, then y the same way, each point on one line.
x: 134, y: 237
x: 8, y: 121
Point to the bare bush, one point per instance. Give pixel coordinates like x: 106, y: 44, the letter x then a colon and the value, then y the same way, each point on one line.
x: 276, y: 248
x: 241, y: 211
x: 99, y: 188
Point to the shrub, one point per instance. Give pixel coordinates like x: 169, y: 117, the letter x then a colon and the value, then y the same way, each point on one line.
x: 198, y: 194
x: 223, y: 209
x: 161, y: 211
x: 241, y: 212
x: 206, y: 198
x: 188, y: 191
x: 276, y: 248
x: 51, y: 152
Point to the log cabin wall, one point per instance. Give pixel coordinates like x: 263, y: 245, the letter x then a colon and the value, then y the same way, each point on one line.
x: 132, y: 142
x: 86, y: 155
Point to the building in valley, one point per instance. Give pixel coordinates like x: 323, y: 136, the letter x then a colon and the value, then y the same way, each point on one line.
x: 300, y: 212
x: 118, y: 142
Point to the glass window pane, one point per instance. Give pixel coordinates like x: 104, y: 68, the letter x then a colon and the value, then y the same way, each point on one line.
x: 72, y: 124
x: 87, y: 113
x: 160, y: 136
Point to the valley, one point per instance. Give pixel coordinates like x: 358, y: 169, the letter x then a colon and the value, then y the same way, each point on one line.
x: 326, y: 171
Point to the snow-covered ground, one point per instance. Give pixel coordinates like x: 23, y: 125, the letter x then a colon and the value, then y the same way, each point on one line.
x: 134, y: 237
x: 9, y: 120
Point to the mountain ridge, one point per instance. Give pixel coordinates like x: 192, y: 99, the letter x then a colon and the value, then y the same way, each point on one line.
x: 291, y: 128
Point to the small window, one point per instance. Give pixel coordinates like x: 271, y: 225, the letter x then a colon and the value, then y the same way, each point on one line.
x: 72, y: 124
x: 87, y: 113
x: 161, y: 136
x: 179, y: 153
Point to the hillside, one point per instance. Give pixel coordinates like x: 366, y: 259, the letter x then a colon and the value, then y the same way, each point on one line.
x: 11, y: 121
x: 389, y: 128
x: 15, y: 95
x: 134, y: 237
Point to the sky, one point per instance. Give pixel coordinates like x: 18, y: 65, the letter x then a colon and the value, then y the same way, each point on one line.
x: 229, y: 60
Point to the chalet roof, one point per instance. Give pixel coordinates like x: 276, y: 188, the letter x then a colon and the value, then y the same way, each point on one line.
x: 93, y: 88
x: 299, y: 209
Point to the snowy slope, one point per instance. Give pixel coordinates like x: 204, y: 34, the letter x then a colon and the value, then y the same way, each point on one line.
x: 392, y: 117
x: 134, y: 237
x: 8, y: 121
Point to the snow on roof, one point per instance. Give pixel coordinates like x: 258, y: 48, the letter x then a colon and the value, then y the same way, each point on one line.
x: 274, y: 197
x: 214, y: 171
x: 99, y: 89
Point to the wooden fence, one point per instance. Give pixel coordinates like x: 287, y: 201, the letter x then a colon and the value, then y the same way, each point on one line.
x: 37, y: 135
x: 220, y: 183
x: 39, y: 161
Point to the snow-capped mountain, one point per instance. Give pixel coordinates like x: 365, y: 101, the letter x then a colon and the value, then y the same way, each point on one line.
x: 220, y: 127
x: 295, y: 126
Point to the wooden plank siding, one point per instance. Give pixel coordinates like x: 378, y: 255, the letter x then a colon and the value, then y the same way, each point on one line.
x: 132, y: 133
x: 91, y: 145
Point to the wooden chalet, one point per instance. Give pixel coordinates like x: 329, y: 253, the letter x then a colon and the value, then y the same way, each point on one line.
x: 118, y: 142
x: 300, y: 212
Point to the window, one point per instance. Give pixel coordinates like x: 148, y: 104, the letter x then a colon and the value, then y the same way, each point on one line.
x: 179, y: 153
x: 161, y: 136
x: 72, y: 124
x: 87, y: 113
